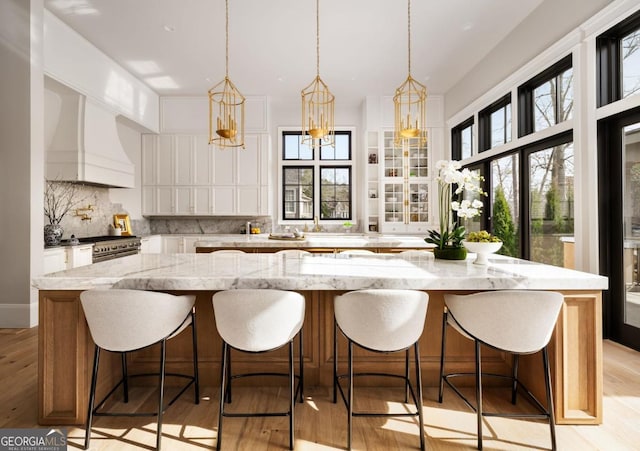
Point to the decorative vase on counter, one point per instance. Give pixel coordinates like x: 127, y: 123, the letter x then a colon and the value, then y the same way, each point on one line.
x: 52, y: 234
x: 450, y: 253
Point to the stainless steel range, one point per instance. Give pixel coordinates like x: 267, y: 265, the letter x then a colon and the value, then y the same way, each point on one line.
x: 109, y: 247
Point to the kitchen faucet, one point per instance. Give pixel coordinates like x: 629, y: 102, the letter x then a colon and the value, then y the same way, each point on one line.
x: 316, y: 226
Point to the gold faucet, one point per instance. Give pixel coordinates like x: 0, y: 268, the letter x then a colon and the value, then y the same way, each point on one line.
x: 316, y: 226
x: 84, y: 212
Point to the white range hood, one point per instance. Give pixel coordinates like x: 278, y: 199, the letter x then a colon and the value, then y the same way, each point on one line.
x: 82, y: 141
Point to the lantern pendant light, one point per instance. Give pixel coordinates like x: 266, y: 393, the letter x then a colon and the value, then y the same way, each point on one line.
x: 410, y: 103
x: 226, y: 106
x: 318, y: 104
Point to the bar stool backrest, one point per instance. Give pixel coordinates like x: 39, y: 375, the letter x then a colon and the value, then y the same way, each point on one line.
x: 511, y: 320
x: 382, y: 319
x: 124, y: 320
x: 257, y: 320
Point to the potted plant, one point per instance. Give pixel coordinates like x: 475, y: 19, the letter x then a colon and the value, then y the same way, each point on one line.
x: 448, y: 239
x: 59, y: 199
x: 483, y: 244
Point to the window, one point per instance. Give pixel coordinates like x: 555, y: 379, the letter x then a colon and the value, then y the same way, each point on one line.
x: 546, y: 99
x: 619, y: 61
x: 462, y: 140
x: 505, y: 202
x: 318, y: 187
x: 494, y: 124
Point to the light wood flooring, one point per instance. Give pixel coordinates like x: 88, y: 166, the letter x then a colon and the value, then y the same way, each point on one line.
x: 320, y: 424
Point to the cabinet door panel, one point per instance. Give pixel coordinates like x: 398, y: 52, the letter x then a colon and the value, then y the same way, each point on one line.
x: 164, y: 200
x: 224, y: 170
x: 184, y: 160
x: 202, y: 200
x: 164, y: 161
x: 183, y: 204
x: 149, y: 206
x: 203, y: 157
x: 224, y: 202
x: 249, y: 200
x: 149, y: 156
x: 249, y: 162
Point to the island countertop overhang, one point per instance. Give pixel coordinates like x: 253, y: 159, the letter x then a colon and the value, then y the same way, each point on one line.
x: 316, y: 272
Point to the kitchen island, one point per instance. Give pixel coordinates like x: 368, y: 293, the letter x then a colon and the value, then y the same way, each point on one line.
x: 65, y: 347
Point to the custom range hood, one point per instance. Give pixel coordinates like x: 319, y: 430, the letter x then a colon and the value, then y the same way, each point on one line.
x: 82, y: 140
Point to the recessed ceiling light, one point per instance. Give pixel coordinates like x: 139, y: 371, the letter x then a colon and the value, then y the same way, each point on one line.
x: 169, y: 28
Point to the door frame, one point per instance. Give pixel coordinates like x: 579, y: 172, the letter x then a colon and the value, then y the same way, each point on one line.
x: 611, y: 232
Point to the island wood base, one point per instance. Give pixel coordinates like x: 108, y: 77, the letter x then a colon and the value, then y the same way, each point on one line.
x: 66, y: 352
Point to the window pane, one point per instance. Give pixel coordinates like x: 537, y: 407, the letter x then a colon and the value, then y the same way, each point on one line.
x: 335, y: 193
x: 341, y: 151
x: 498, y: 127
x: 474, y: 224
x: 465, y: 139
x: 298, y: 193
x: 566, y: 95
x: 294, y: 149
x: 544, y: 105
x: 630, y: 48
x: 505, y: 211
x: 551, y: 174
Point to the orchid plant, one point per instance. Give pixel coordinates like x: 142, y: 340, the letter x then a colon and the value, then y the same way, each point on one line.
x: 451, y: 235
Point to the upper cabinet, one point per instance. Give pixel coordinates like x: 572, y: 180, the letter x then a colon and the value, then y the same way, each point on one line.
x: 182, y: 175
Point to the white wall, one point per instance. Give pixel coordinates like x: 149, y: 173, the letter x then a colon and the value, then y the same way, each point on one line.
x: 130, y: 198
x: 21, y: 159
x: 544, y: 26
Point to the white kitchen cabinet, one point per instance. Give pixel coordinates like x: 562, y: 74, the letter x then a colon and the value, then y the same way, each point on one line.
x: 183, y: 176
x: 55, y: 259
x: 172, y: 244
x: 80, y: 255
x: 404, y: 186
x: 151, y: 244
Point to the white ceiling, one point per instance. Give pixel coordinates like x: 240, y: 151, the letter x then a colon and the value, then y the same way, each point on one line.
x: 363, y: 43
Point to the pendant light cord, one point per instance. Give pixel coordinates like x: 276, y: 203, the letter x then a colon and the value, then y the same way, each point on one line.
x: 409, y: 33
x: 318, y: 38
x: 226, y: 61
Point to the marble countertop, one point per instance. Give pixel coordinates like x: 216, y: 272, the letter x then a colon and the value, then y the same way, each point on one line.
x: 316, y: 241
x: 316, y: 272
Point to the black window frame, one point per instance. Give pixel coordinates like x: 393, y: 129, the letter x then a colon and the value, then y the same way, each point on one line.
x: 315, y: 165
x: 456, y: 138
x: 284, y: 199
x: 526, y: 116
x: 350, y: 169
x: 484, y: 122
x: 609, y: 61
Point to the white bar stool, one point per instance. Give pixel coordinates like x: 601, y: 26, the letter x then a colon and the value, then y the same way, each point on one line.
x: 380, y: 321
x: 518, y: 322
x: 254, y: 321
x: 129, y: 320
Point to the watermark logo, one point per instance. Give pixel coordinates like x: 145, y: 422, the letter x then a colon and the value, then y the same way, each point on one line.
x: 41, y: 439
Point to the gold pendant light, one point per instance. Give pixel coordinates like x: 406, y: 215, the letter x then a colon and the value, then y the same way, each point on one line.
x: 226, y: 106
x: 410, y: 103
x: 318, y: 104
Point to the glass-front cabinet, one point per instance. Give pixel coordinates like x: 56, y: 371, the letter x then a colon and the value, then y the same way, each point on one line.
x: 405, y: 185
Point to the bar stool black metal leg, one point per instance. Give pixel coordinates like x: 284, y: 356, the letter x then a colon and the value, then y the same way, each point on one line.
x: 223, y: 374
x: 227, y: 390
x: 547, y: 379
x: 479, y: 393
x: 163, y: 356
x: 92, y: 397
x: 350, y: 406
x: 292, y: 393
x: 442, y: 348
x: 406, y: 376
x: 335, y: 360
x: 125, y: 376
x: 416, y: 348
x: 514, y: 388
x: 301, y: 366
x: 194, y: 337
